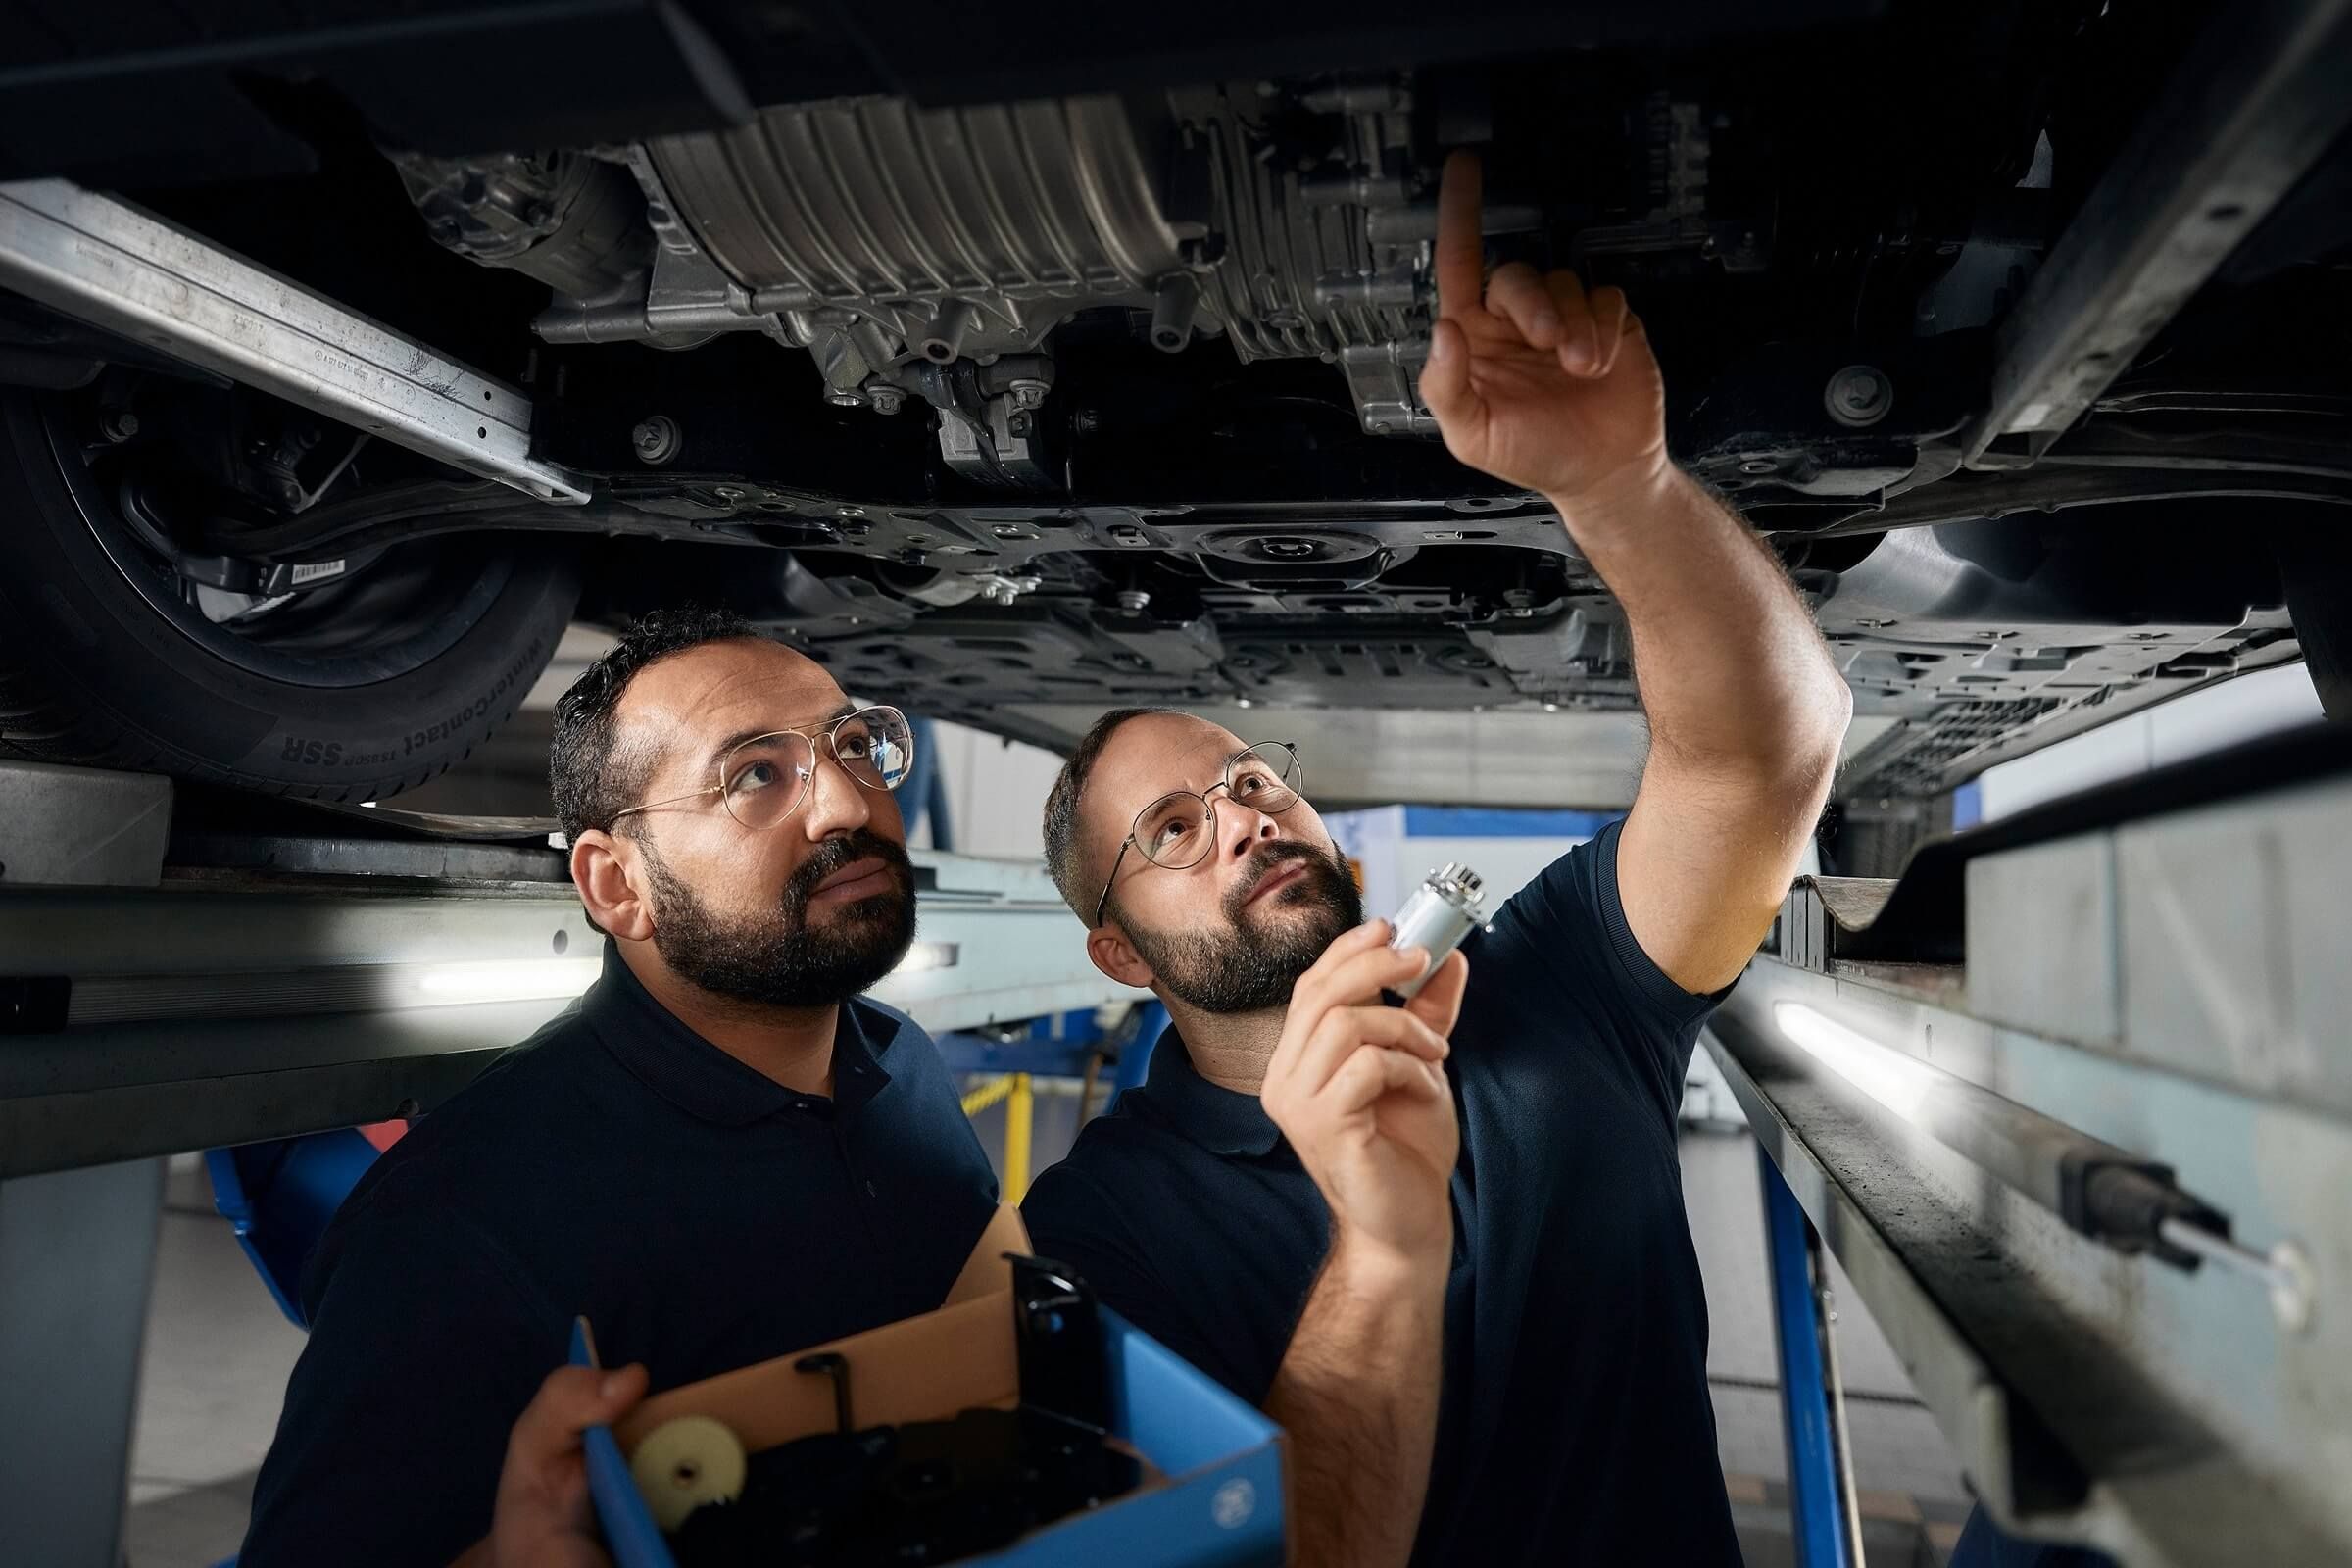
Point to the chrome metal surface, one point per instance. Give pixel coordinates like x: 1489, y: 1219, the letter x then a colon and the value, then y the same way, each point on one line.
x: 2261, y: 99
x: 103, y: 262
x: 880, y: 235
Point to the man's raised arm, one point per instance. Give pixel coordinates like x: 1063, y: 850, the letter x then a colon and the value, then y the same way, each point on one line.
x: 1540, y: 384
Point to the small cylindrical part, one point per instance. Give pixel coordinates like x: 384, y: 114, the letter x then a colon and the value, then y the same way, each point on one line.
x: 1448, y: 905
x: 1172, y: 312
x: 949, y: 329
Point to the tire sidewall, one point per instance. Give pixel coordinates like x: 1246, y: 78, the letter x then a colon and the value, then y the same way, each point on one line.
x: 93, y: 645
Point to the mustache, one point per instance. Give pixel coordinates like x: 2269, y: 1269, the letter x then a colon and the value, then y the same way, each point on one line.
x: 1267, y: 860
x: 838, y: 854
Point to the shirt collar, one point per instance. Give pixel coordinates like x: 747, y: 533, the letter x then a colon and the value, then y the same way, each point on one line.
x: 1221, y: 1120
x: 706, y: 1083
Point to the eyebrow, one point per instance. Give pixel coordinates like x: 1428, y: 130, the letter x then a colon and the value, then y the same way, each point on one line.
x: 718, y: 753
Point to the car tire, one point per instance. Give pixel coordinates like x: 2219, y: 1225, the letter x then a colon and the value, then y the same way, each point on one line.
x: 102, y: 663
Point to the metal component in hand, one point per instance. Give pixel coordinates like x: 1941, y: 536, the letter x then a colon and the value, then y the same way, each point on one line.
x: 1448, y: 905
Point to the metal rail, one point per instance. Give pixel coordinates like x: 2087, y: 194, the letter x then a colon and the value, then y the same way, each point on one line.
x: 106, y: 262
x: 221, y: 1007
x: 2260, y: 100
x: 2157, y: 1003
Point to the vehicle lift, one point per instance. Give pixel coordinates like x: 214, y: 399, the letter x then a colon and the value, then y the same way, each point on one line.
x: 2070, y: 1101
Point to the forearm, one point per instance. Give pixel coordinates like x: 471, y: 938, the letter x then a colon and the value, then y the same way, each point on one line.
x: 1735, y: 678
x: 1358, y: 1394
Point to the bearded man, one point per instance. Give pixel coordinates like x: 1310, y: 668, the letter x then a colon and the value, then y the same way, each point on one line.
x: 1443, y: 1245
x: 721, y: 1155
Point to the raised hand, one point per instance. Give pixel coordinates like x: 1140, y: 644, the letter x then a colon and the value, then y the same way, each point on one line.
x: 1532, y: 380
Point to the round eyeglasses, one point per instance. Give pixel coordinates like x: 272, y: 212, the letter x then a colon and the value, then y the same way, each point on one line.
x: 763, y: 779
x: 1180, y: 828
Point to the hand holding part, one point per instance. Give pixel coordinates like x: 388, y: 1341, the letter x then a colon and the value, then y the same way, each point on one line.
x: 1360, y: 1091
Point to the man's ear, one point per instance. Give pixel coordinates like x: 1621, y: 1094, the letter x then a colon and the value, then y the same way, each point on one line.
x: 1109, y: 948
x: 607, y: 876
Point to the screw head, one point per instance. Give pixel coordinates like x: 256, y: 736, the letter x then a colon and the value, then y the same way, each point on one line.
x: 887, y: 399
x: 118, y: 425
x: 1134, y: 599
x: 1859, y: 395
x: 657, y: 439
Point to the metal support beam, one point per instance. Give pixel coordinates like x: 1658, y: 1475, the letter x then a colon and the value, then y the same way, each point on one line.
x: 77, y: 1259
x: 219, y: 1008
x: 1815, y: 1488
x: 102, y: 262
x: 2260, y: 100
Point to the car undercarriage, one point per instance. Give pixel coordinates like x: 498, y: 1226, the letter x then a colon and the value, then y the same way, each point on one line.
x: 1067, y: 366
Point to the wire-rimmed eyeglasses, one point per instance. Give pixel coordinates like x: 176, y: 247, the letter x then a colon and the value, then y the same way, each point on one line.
x: 763, y: 779
x: 1180, y: 828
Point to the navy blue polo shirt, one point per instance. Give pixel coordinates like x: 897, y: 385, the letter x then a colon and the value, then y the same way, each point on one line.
x: 1574, y: 1424
x: 616, y: 1165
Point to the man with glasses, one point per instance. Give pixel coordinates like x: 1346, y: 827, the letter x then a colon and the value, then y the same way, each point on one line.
x: 720, y: 1155
x: 1443, y: 1244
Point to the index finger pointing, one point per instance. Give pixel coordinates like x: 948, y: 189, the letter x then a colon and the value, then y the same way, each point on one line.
x: 1461, y: 255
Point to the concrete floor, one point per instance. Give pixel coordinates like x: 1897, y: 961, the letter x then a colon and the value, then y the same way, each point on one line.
x: 217, y: 1355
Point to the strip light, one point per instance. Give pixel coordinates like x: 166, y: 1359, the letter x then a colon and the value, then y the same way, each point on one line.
x: 1894, y: 1078
x: 505, y: 980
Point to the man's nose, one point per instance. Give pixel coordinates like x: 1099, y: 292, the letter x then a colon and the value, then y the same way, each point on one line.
x: 837, y: 803
x: 1244, y: 828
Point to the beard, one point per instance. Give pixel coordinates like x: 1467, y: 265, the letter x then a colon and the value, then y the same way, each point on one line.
x: 778, y: 960
x: 1250, y: 963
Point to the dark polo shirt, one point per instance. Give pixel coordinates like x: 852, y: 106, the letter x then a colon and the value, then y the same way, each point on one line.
x: 1575, y: 1425
x: 618, y: 1165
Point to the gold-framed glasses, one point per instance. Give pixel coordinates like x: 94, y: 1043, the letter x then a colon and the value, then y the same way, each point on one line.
x: 1180, y: 828
x: 763, y: 779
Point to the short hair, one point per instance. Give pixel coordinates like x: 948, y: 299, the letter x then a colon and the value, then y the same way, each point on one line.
x: 592, y: 781
x: 1065, y: 856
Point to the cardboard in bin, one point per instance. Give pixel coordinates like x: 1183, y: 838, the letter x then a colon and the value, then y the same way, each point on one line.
x: 1212, y: 1487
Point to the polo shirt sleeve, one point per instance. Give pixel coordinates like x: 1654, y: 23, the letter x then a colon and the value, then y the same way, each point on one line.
x: 1563, y: 941
x: 1073, y: 1221
x: 424, y: 1347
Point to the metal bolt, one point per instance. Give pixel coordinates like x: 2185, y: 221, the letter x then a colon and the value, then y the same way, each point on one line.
x: 729, y: 492
x: 887, y: 399
x: 657, y: 439
x: 119, y: 425
x: 1859, y: 395
x: 1028, y: 394
x: 1134, y: 599
x: 859, y: 511
x: 846, y: 398
x: 1086, y: 421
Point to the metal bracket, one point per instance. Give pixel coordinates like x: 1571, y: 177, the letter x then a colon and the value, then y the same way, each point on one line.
x: 113, y: 266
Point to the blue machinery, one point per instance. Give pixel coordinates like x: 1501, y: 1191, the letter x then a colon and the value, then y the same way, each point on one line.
x: 1819, y: 1503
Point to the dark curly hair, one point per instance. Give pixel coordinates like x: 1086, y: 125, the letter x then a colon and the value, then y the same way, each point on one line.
x: 592, y: 781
